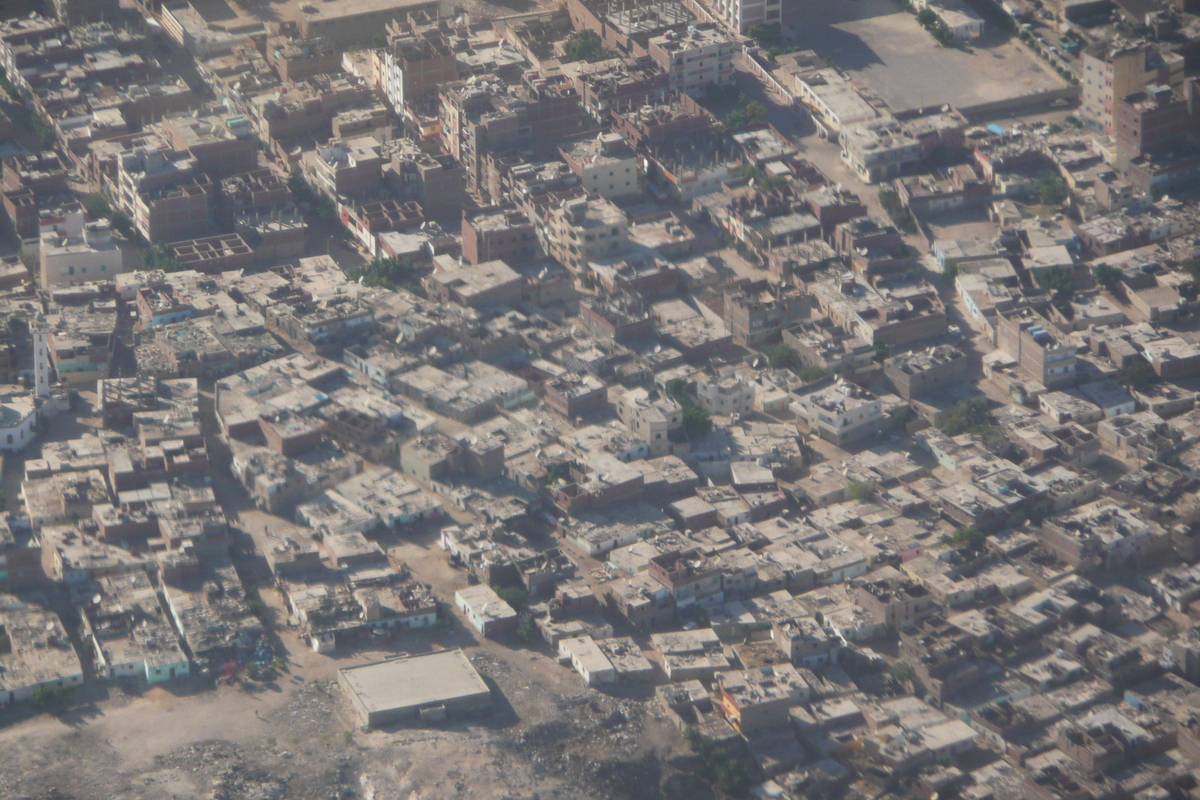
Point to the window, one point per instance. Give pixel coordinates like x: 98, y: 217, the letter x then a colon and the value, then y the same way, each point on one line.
x: 70, y: 270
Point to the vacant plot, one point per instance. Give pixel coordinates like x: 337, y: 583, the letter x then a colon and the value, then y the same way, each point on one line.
x: 881, y: 44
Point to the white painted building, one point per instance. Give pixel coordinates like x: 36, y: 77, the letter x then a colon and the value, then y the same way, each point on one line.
x: 79, y: 252
x: 18, y: 420
x: 586, y: 658
x: 744, y: 14
x: 695, y: 58
x: 725, y: 396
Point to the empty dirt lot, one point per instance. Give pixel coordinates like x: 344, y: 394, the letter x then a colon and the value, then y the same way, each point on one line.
x: 881, y: 44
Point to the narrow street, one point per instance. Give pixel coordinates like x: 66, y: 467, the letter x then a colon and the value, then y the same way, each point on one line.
x: 794, y: 122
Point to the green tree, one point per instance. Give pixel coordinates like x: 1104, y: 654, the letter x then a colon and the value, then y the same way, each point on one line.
x: 527, y: 630
x: 1137, y: 375
x: 1107, y: 276
x: 390, y: 273
x: 50, y: 696
x: 900, y: 416
x: 882, y: 351
x: 121, y: 221
x: 927, y: 17
x: 586, y: 45
x: 950, y: 271
x: 557, y: 472
x: 969, y: 537
x: 745, y: 114
x: 765, y: 35
x: 903, y: 671
x: 1059, y: 280
x: 968, y: 416
x: 810, y: 374
x: 97, y: 206
x: 515, y: 596
x: 894, y: 206
x: 158, y: 257
x: 780, y: 356
x: 726, y: 773
x: 696, y: 421
x: 1053, y: 190
x: 943, y: 35
x: 862, y: 492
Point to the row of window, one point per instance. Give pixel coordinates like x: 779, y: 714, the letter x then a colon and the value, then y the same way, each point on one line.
x: 83, y: 270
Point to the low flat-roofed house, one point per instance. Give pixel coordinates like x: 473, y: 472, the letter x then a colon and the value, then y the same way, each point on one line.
x: 431, y: 686
x: 627, y: 659
x: 35, y: 650
x: 759, y: 699
x: 690, y: 654
x: 1110, y: 396
x: 586, y: 658
x: 485, y: 610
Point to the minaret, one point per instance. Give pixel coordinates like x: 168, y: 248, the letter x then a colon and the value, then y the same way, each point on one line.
x: 41, y: 356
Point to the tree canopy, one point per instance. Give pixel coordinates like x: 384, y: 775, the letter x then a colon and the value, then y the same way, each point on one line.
x: 968, y: 416
x: 390, y: 273
x: 1053, y: 191
x: 1137, y: 375
x: 1056, y: 279
x: 1107, y: 276
x: 586, y: 45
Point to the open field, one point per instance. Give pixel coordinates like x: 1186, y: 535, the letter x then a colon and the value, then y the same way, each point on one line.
x: 881, y: 44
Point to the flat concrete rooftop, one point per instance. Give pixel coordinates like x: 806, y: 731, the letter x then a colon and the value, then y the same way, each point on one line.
x: 400, y: 687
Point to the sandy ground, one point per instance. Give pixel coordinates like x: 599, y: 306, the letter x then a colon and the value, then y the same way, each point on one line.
x: 548, y: 736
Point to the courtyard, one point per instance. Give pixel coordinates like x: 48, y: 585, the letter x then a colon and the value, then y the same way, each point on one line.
x: 882, y: 45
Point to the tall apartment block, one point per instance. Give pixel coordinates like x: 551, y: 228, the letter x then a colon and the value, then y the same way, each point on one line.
x: 695, y: 58
x: 745, y: 14
x: 1112, y: 72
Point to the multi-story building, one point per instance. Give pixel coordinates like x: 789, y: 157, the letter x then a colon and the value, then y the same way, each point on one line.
x: 498, y: 233
x: 415, y: 61
x: 1112, y: 71
x: 221, y: 146
x: 341, y: 169
x: 695, y: 59
x: 1149, y: 120
x: 756, y: 313
x: 672, y: 119
x: 923, y: 371
x: 605, y: 165
x: 617, y: 83
x: 725, y: 396
x: 653, y: 417
x: 81, y: 342
x: 841, y: 413
x: 1040, y: 351
x: 79, y: 253
x: 296, y: 59
x: 436, y: 181
x: 485, y: 115
x: 585, y: 229
x: 879, y: 149
x: 744, y: 14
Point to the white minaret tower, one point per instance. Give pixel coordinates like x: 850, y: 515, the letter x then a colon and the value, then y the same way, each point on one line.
x: 41, y: 356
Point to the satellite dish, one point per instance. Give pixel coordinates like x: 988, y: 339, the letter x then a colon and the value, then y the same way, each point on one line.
x: 96, y: 598
x: 50, y: 626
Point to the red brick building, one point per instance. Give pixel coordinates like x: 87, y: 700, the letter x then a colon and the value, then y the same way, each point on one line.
x: 498, y: 232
